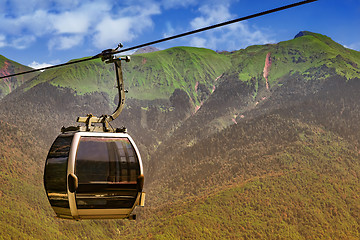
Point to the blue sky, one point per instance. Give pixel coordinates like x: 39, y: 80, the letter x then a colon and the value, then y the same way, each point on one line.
x: 38, y: 32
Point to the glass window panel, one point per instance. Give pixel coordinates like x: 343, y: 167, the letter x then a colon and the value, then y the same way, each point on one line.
x: 130, y: 151
x: 120, y: 148
x: 92, y: 161
x: 133, y: 175
x: 132, y: 160
x: 107, y: 173
x: 124, y: 173
x: 129, y: 148
x: 55, y: 175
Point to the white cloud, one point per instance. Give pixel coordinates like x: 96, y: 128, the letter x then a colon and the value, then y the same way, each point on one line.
x: 67, y: 23
x: 36, y: 23
x: 354, y: 46
x: 211, y: 15
x: 70, y: 22
x: 238, y: 36
x: 198, y: 42
x: 110, y: 31
x: 233, y: 37
x: 80, y: 20
x: 210, y: 12
x: 37, y: 65
x: 170, y: 30
x: 65, y: 42
x: 22, y: 42
x: 2, y: 41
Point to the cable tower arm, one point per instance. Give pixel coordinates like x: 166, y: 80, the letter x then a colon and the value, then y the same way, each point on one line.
x: 107, y: 56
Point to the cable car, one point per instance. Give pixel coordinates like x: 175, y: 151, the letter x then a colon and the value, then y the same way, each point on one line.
x: 95, y: 172
x: 94, y: 175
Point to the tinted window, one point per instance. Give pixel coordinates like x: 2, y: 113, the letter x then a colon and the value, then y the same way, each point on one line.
x: 56, y: 170
x: 107, y: 169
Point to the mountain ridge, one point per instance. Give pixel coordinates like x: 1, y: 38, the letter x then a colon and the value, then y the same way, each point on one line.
x: 7, y: 67
x: 148, y: 49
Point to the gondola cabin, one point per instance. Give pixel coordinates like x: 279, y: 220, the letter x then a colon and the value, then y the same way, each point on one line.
x: 94, y: 175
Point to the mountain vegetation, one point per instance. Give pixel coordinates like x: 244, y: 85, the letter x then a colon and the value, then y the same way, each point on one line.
x: 259, y: 143
x: 7, y: 67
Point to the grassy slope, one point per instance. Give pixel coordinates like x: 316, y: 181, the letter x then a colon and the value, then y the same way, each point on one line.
x: 22, y: 205
x: 308, y: 189
x: 9, y: 67
x: 300, y: 55
x: 293, y: 205
x: 148, y: 76
x: 158, y: 74
x: 85, y: 77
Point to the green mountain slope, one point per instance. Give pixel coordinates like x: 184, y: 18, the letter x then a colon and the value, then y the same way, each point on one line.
x: 7, y: 85
x: 305, y: 55
x: 175, y: 68
x: 271, y: 76
x: 258, y: 210
x: 148, y: 76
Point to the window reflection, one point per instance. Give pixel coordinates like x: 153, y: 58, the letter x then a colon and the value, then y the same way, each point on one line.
x: 56, y: 170
x: 107, y: 169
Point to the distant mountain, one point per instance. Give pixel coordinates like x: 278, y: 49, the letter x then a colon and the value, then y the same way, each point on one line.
x: 265, y: 78
x: 257, y: 143
x: 149, y: 76
x: 147, y: 49
x: 269, y: 77
x: 7, y: 67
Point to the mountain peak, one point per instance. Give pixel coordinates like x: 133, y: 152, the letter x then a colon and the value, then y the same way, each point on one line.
x: 304, y: 33
x: 319, y: 36
x: 148, y: 49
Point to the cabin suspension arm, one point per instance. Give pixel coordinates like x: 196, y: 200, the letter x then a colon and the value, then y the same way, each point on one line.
x: 108, y: 57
